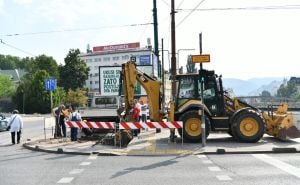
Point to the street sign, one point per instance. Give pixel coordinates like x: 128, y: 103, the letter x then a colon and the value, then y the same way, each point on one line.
x: 200, y: 58
x: 50, y: 84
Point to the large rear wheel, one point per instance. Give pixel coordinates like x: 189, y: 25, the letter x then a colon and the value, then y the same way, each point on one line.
x: 248, y: 126
x: 192, y: 126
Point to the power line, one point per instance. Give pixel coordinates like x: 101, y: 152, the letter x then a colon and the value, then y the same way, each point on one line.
x: 75, y: 29
x: 282, y: 7
x: 181, y: 2
x: 191, y: 11
x: 11, y: 46
x: 166, y: 3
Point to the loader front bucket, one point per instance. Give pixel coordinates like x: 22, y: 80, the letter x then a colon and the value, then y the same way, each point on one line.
x: 288, y: 133
x: 281, y: 124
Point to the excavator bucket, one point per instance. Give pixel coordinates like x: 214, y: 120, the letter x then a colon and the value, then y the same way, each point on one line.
x: 281, y: 124
x: 289, y: 133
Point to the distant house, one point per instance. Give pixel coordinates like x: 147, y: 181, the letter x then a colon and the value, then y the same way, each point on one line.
x: 14, y: 74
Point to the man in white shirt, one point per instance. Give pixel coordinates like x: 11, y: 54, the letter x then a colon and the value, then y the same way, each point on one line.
x: 16, y: 125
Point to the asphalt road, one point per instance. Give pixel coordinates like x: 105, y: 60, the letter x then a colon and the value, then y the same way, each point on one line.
x: 21, y: 166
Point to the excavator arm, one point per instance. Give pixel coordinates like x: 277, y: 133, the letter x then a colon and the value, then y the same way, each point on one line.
x: 130, y: 75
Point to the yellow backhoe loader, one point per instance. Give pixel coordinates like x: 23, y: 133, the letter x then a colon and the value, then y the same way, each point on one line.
x: 222, y: 113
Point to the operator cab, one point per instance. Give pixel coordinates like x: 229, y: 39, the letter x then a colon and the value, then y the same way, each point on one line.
x: 189, y: 88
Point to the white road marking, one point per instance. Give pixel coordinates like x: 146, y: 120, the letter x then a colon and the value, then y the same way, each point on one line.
x: 279, y: 164
x: 201, y: 156
x: 76, y: 171
x: 223, y: 177
x: 207, y: 162
x: 65, y: 180
x: 85, y: 163
x: 92, y: 157
x: 214, y: 168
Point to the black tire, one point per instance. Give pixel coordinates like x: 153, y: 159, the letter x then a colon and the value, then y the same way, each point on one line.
x: 192, y: 126
x: 248, y: 126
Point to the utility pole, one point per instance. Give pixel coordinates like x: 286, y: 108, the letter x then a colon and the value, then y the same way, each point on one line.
x: 173, y: 49
x: 156, y: 52
x: 173, y: 69
x: 203, y: 129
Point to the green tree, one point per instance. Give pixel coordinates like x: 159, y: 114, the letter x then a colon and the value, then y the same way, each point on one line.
x: 265, y: 93
x: 289, y: 90
x: 32, y: 97
x: 6, y: 62
x: 77, y: 97
x: 7, y: 87
x: 74, y: 73
x: 190, y: 66
x: 43, y: 62
x: 13, y: 62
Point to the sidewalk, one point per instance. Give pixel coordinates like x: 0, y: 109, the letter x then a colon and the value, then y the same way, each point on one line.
x: 150, y: 143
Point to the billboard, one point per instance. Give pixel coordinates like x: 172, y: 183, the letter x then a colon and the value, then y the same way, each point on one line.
x: 109, y: 77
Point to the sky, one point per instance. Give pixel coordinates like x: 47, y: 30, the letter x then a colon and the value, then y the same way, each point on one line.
x: 245, y: 38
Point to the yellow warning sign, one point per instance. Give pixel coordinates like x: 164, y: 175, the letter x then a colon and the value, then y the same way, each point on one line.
x: 200, y: 58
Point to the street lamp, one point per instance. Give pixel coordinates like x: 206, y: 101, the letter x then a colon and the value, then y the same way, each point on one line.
x: 178, y: 51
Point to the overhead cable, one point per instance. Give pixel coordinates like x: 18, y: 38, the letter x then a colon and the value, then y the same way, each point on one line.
x: 74, y: 30
x: 11, y: 46
x: 282, y: 7
x: 191, y: 11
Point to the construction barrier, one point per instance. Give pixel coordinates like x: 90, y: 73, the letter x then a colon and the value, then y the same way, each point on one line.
x: 124, y: 125
x: 139, y: 125
x: 49, y: 124
x: 91, y: 124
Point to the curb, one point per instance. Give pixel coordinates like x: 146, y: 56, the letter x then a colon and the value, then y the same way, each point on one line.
x: 219, y: 151
x: 222, y: 151
x: 61, y: 151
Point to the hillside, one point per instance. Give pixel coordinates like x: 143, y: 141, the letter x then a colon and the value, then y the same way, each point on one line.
x: 254, y: 86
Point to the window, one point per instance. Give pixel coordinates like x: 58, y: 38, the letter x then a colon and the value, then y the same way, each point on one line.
x: 97, y: 59
x: 186, y: 89
x: 106, y: 59
x: 96, y: 74
x: 115, y: 58
x: 91, y: 82
x: 96, y: 67
x: 125, y: 57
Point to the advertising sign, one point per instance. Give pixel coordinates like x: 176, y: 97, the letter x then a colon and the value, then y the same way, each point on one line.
x: 109, y: 80
x: 145, y: 60
x: 116, y: 47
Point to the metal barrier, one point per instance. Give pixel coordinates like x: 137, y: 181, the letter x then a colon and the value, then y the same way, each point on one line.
x: 49, y: 123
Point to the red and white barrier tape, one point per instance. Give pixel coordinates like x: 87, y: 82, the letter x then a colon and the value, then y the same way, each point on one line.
x: 162, y: 124
x: 124, y: 125
x: 90, y: 124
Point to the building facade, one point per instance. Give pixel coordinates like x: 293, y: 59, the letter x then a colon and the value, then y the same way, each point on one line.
x: 113, y: 55
x: 105, y: 63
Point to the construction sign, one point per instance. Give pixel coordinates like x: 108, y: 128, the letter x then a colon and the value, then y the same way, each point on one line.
x: 200, y: 58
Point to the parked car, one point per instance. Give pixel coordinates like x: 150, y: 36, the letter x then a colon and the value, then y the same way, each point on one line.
x: 3, y: 122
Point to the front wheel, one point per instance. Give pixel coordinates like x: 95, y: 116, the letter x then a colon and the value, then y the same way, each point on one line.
x: 192, y: 126
x: 248, y: 126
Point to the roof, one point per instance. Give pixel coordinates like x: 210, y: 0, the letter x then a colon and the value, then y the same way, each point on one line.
x: 14, y: 74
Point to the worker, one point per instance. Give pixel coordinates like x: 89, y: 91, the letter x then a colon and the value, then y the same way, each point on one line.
x: 135, y: 115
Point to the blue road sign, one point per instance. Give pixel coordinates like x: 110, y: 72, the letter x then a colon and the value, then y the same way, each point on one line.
x: 50, y: 84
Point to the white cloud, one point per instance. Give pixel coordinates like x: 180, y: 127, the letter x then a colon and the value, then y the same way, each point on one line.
x: 23, y: 2
x: 1, y: 5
